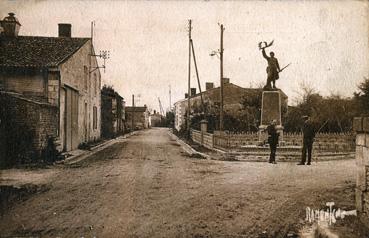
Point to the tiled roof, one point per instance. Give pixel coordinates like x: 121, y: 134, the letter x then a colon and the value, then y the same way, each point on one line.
x: 36, y: 51
x: 136, y: 109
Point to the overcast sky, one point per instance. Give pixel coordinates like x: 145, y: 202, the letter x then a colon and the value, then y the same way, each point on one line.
x: 325, y: 42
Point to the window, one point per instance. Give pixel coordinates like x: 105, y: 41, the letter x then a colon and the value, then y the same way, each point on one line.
x: 94, y: 118
x: 95, y: 83
x: 85, y: 76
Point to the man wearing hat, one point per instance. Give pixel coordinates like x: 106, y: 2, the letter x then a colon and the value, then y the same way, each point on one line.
x: 308, y: 139
x: 272, y: 140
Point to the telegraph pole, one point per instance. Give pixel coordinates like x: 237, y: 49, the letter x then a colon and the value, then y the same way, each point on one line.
x: 197, y: 76
x: 189, y: 78
x: 133, y: 111
x: 221, y: 79
x: 170, y: 98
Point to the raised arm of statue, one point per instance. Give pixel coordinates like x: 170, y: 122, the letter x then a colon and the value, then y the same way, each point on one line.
x: 264, y: 54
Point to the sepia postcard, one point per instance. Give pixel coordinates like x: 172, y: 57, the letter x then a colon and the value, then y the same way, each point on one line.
x: 185, y: 119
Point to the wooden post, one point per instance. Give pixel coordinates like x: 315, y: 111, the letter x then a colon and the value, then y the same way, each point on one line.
x: 189, y: 79
x: 221, y: 79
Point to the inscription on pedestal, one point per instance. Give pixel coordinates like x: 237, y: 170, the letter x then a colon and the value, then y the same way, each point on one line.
x: 271, y: 107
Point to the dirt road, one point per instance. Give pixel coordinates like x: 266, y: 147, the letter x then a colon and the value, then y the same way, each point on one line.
x: 147, y: 187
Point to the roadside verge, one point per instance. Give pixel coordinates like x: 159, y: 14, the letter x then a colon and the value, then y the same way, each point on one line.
x: 79, y: 155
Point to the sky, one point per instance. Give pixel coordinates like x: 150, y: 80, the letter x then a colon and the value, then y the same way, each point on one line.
x: 326, y: 42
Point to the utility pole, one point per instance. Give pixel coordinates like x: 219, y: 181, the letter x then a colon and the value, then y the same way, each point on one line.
x: 197, y: 76
x: 170, y: 98
x: 189, y: 78
x: 133, y: 111
x: 221, y: 79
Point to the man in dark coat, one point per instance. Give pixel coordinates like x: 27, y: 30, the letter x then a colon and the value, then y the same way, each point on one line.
x: 308, y: 139
x: 272, y: 69
x: 272, y: 140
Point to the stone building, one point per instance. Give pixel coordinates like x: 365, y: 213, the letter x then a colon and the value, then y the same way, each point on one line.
x: 112, y: 113
x: 138, y: 117
x: 232, y: 101
x: 61, y: 72
x: 156, y: 119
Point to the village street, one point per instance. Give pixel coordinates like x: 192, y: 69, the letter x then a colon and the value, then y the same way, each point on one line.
x: 147, y: 187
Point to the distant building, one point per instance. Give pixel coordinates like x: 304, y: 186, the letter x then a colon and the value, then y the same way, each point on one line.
x: 139, y: 117
x: 156, y: 119
x: 232, y: 102
x: 112, y: 113
x: 59, y: 72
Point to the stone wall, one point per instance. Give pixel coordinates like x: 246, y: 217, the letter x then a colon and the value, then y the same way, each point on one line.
x: 333, y: 142
x: 27, y: 125
x: 203, y: 138
x: 224, y: 140
x: 361, y: 126
x: 207, y: 140
x: 324, y: 142
x: 29, y: 82
x: 196, y: 136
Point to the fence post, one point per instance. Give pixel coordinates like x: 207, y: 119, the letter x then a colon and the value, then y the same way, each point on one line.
x: 361, y: 127
x: 204, y: 129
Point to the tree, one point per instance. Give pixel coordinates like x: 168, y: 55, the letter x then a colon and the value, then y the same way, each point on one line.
x: 362, y: 98
x: 251, y: 108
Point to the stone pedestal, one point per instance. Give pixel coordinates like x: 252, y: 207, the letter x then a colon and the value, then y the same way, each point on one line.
x: 361, y: 127
x: 271, y: 109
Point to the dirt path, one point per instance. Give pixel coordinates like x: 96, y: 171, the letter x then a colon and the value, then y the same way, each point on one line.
x: 146, y: 187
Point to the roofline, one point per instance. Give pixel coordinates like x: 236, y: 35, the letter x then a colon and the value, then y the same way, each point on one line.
x: 198, y: 94
x: 53, y: 65
x: 72, y: 53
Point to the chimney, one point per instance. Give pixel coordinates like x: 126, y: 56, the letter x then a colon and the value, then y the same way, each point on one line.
x: 193, y: 92
x: 225, y: 80
x: 65, y: 30
x: 209, y: 85
x: 10, y: 25
x: 186, y: 95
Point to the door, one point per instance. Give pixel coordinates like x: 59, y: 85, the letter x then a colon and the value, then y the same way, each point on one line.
x: 85, y: 122
x: 71, y: 119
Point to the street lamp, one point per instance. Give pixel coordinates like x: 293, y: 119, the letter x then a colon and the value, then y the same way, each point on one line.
x: 219, y: 54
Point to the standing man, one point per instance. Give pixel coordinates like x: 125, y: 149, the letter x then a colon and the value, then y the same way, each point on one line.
x: 308, y: 139
x: 272, y: 140
x: 272, y: 69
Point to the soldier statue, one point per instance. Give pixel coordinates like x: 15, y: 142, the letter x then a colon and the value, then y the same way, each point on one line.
x: 273, y: 68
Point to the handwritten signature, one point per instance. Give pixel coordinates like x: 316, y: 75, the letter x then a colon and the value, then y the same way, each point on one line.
x: 329, y: 215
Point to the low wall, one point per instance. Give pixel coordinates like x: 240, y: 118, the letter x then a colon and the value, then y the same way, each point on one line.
x: 229, y: 140
x: 208, y: 140
x: 27, y: 125
x: 324, y: 142
x: 361, y: 126
x: 332, y: 142
x: 205, y: 139
x: 196, y: 136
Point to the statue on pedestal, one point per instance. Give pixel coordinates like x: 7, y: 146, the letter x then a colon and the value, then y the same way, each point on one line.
x: 273, y: 68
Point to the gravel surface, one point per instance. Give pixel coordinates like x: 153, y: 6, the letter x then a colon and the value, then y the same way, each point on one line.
x: 147, y: 187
